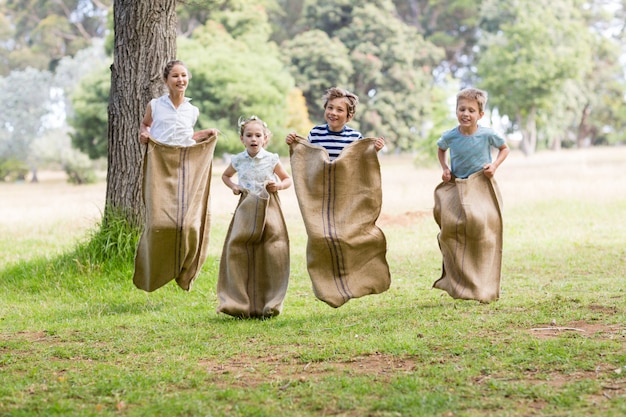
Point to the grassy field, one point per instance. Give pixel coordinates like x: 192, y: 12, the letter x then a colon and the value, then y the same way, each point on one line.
x: 78, y: 339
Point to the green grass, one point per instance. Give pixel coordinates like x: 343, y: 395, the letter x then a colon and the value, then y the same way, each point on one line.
x: 78, y: 339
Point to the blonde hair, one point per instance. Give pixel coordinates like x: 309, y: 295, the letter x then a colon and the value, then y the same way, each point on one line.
x: 243, y: 122
x: 470, y: 93
x: 351, y: 99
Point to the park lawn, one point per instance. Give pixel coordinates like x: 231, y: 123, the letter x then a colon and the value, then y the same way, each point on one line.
x: 78, y: 339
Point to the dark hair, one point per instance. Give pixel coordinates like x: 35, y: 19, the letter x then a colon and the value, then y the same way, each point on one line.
x: 351, y: 99
x: 168, y: 68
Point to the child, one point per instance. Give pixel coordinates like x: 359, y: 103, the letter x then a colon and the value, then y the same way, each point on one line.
x: 337, y: 181
x: 335, y: 135
x: 254, y: 269
x: 170, y: 118
x: 176, y: 187
x: 468, y: 204
x: 255, y: 167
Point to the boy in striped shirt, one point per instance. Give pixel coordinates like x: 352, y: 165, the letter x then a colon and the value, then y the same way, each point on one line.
x: 335, y: 134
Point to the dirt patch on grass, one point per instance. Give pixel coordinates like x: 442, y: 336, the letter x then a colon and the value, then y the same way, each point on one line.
x: 582, y: 328
x: 251, y: 372
x: 407, y: 218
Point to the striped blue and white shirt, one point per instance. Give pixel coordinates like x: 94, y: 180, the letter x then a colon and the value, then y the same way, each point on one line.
x: 333, y: 142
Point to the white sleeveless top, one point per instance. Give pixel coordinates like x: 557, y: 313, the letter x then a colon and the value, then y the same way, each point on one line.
x: 171, y: 125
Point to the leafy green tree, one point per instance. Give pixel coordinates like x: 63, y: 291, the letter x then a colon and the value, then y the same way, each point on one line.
x: 236, y: 73
x: 89, y: 118
x: 525, y: 64
x: 317, y: 62
x: 391, y: 66
x: 599, y: 120
x: 453, y: 25
x: 25, y: 103
x: 43, y: 32
x: 233, y: 75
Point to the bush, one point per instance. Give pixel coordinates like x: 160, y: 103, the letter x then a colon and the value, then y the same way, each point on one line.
x: 79, y: 168
x: 13, y: 170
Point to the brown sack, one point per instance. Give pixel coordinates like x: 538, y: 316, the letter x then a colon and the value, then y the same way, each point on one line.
x: 175, y: 239
x: 340, y: 202
x: 254, y: 269
x: 468, y: 212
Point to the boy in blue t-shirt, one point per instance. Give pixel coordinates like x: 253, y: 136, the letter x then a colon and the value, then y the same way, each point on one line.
x: 470, y: 144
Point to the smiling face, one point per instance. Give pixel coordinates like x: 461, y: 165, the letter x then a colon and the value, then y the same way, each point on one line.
x: 177, y: 79
x: 336, y: 114
x: 253, y: 137
x: 468, y: 114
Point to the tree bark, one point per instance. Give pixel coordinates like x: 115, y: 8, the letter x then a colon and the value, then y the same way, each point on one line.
x: 145, y: 39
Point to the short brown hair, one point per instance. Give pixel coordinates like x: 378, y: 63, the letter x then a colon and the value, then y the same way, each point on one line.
x: 473, y: 94
x: 168, y: 68
x: 351, y: 99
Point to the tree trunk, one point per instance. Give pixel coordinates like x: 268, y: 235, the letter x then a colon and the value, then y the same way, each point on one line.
x: 145, y: 39
x: 583, y: 127
x: 529, y: 132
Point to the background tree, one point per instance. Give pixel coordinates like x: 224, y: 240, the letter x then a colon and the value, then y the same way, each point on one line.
x: 25, y: 103
x: 138, y: 58
x: 452, y: 25
x: 364, y: 47
x: 237, y: 72
x: 89, y: 117
x: 526, y: 63
x: 43, y: 32
x: 317, y: 62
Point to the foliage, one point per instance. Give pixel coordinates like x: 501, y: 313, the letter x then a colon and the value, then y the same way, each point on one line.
x: 44, y: 32
x: 317, y: 63
x: 521, y: 84
x: 13, y: 170
x: 364, y: 47
x: 297, y: 113
x: 237, y: 72
x: 452, y: 25
x: 89, y: 119
x: 79, y: 168
x: 25, y: 103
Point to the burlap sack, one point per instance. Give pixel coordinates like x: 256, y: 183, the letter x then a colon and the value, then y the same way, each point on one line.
x: 468, y: 212
x: 176, y: 192
x: 254, y: 268
x: 340, y: 202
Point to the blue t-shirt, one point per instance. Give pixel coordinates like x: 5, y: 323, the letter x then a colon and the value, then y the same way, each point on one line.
x: 468, y: 154
x: 333, y: 142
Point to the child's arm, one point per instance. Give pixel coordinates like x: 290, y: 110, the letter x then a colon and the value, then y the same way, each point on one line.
x: 283, y: 176
x: 447, y: 175
x: 144, y: 129
x: 490, y: 169
x: 201, y: 135
x: 227, y: 178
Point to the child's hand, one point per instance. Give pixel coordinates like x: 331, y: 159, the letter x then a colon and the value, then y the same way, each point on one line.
x: 291, y: 137
x: 143, y: 137
x: 446, y: 176
x: 489, y: 170
x: 379, y: 144
x: 271, y: 187
x: 205, y: 134
x: 236, y: 190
